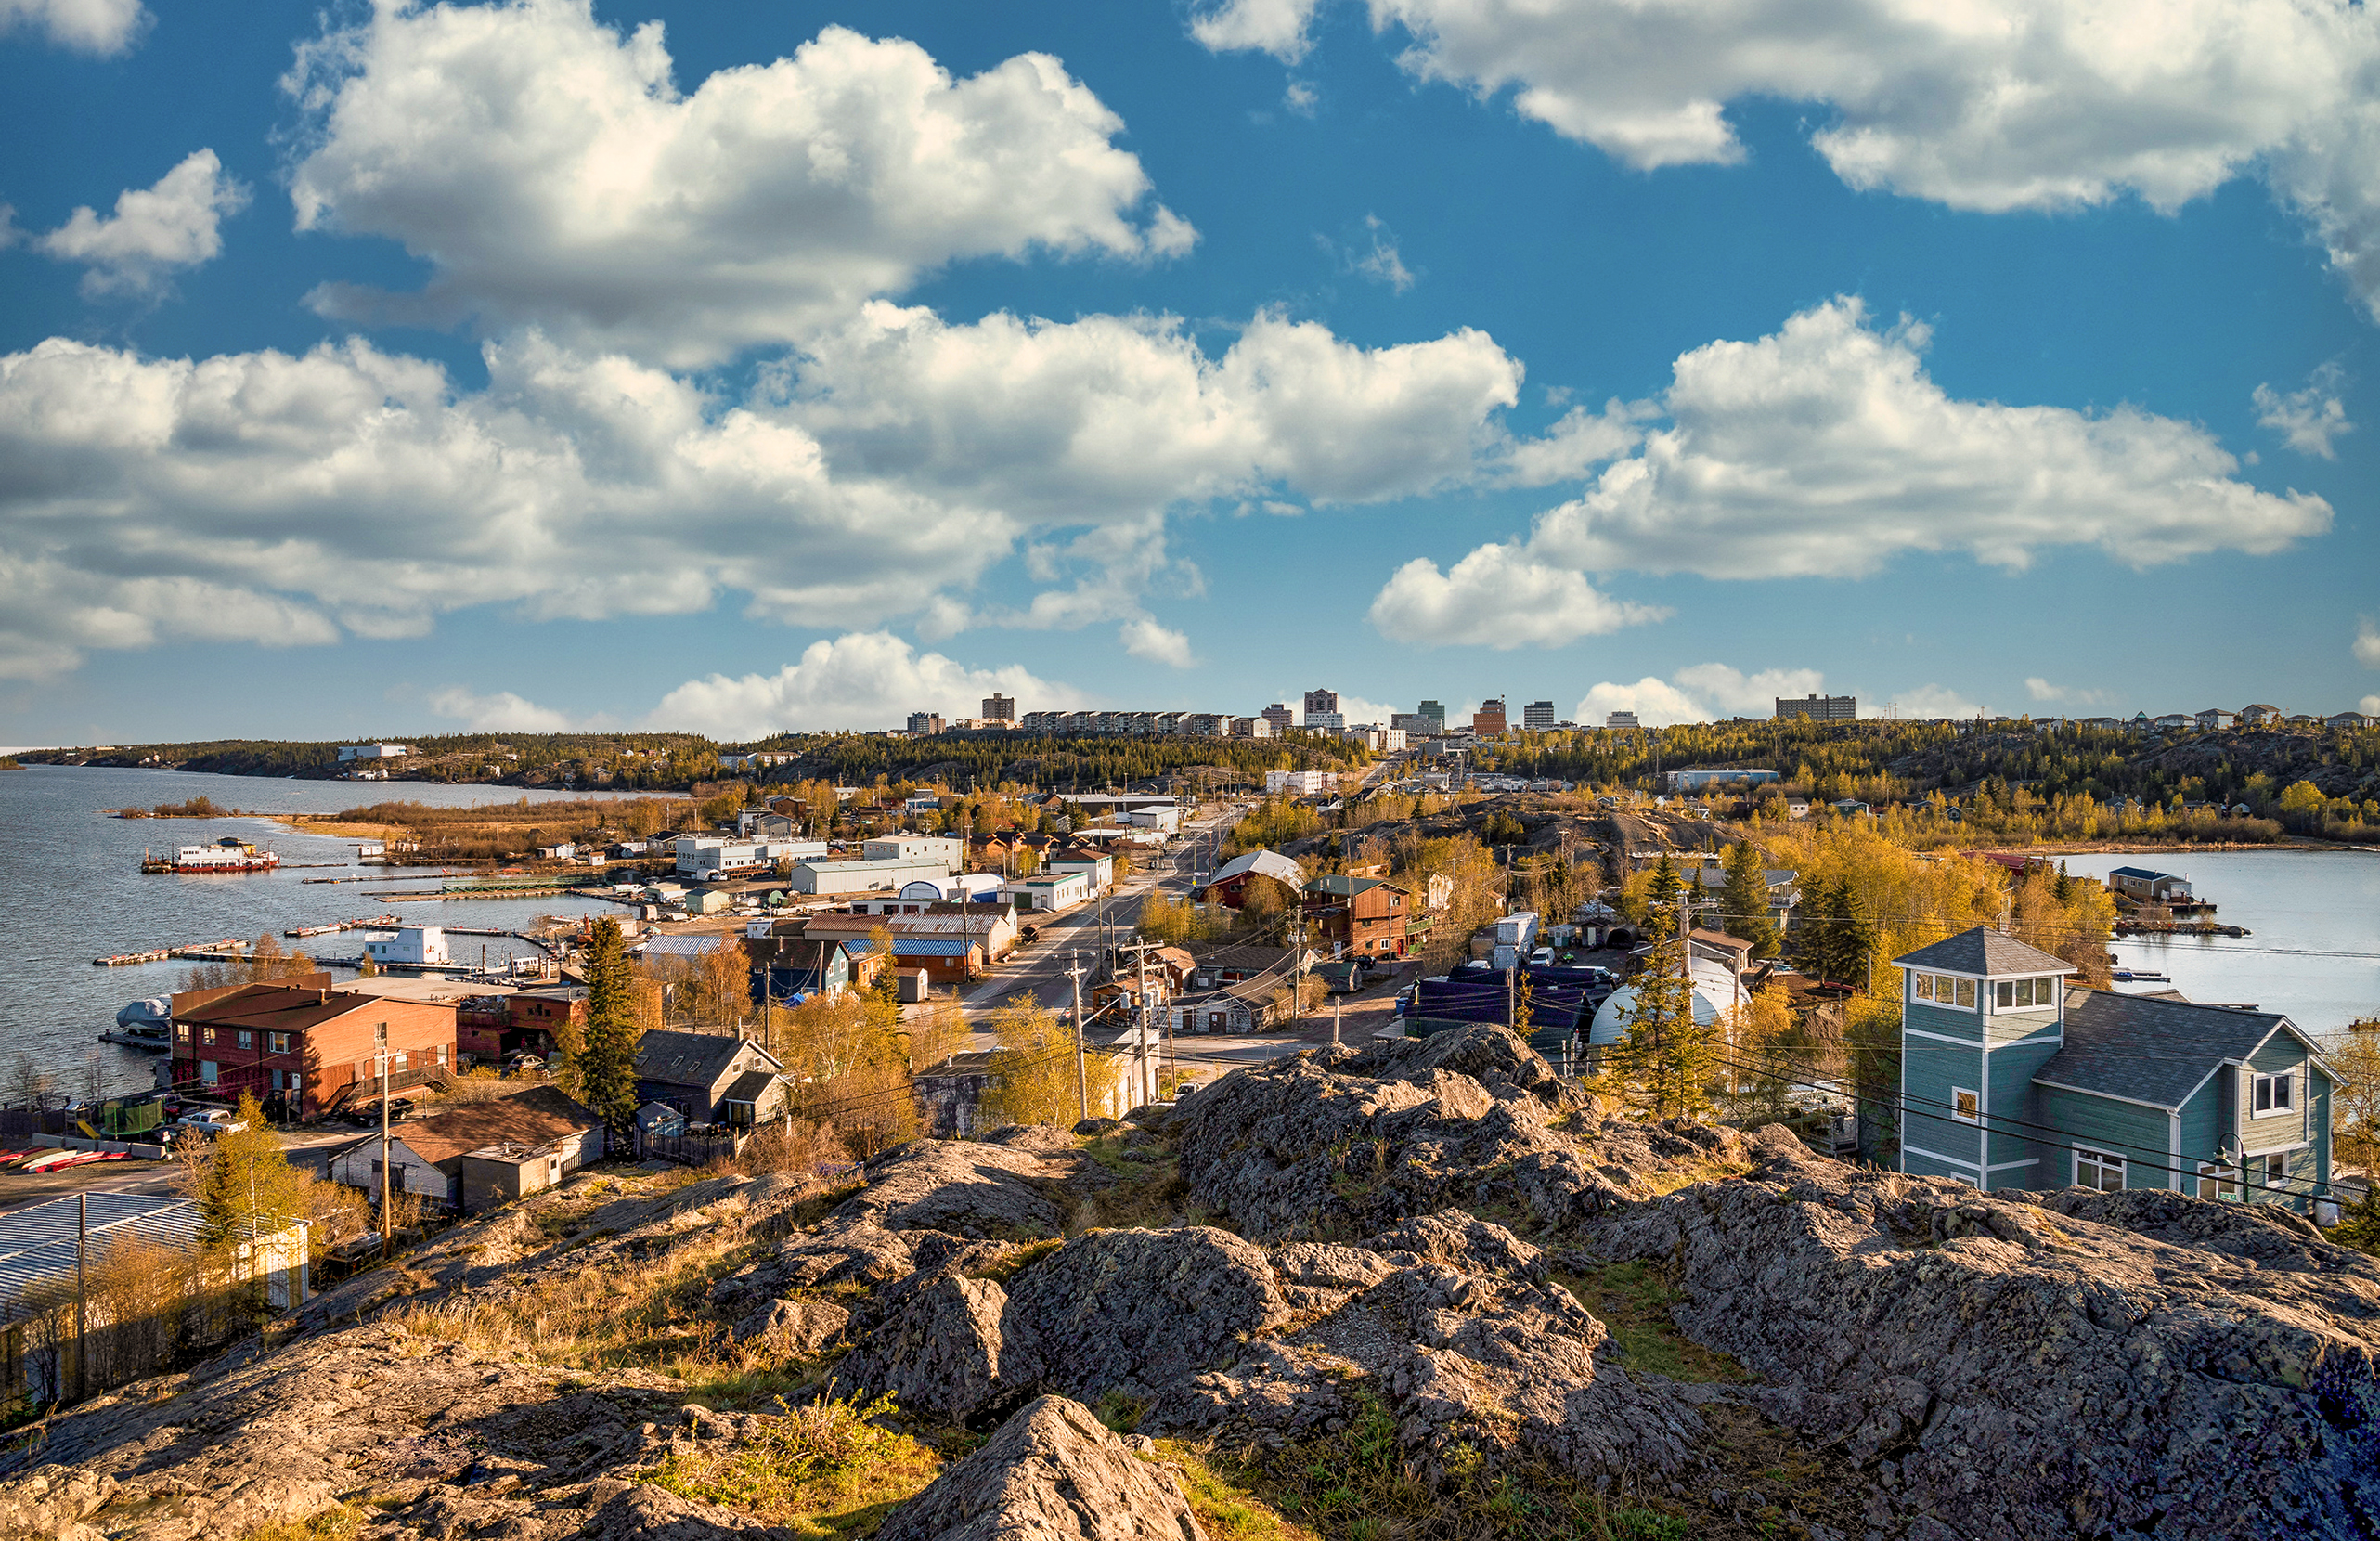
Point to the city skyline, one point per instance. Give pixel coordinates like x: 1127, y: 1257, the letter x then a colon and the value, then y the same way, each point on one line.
x: 539, y: 367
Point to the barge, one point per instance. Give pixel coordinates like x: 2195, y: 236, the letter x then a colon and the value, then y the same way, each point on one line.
x: 230, y: 854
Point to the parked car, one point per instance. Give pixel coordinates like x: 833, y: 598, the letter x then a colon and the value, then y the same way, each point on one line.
x: 525, y: 1065
x: 211, y: 1121
x: 1542, y: 958
x: 367, y: 1115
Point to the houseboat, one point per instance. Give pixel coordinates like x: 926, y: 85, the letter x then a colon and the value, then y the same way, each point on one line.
x: 230, y: 854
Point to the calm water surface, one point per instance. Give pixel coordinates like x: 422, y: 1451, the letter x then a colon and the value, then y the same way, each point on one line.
x: 75, y: 890
x: 2315, y: 915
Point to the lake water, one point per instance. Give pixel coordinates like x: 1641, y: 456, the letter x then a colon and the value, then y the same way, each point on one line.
x: 75, y: 891
x: 2314, y: 952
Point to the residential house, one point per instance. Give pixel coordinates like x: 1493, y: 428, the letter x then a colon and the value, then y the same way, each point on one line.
x: 1712, y: 882
x: 944, y: 959
x: 1233, y: 963
x: 2215, y: 717
x: 710, y: 1077
x: 410, y: 944
x: 1238, y: 1003
x: 789, y: 964
x: 2149, y: 887
x: 2171, y: 721
x: 2348, y: 719
x: 1229, y: 886
x: 426, y: 1156
x: 2259, y: 716
x: 301, y: 1046
x: 2010, y: 1080
x: 1357, y: 917
x: 768, y: 826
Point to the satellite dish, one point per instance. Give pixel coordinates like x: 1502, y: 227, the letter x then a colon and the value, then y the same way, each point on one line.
x: 2230, y: 1149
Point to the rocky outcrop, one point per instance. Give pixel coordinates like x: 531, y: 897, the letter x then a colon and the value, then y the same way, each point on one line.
x: 1052, y: 1473
x: 1136, y: 1311
x: 2016, y: 1371
x: 1297, y: 1150
x: 980, y: 1191
x: 1415, y: 1219
x: 939, y: 1353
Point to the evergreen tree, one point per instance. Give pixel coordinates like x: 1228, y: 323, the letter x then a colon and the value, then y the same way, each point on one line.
x: 1663, y: 1066
x: 1744, y: 910
x: 604, y: 1071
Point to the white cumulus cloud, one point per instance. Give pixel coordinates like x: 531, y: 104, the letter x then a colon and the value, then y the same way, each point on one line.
x: 1276, y: 27
x: 862, y: 679
x: 2042, y: 690
x: 1825, y: 451
x: 101, y: 27
x: 880, y: 476
x: 1700, y: 692
x: 1992, y: 105
x: 2306, y: 420
x: 1933, y: 700
x: 1497, y: 597
x: 153, y: 232
x: 1143, y: 637
x: 551, y: 170
x: 2367, y: 643
x: 505, y: 712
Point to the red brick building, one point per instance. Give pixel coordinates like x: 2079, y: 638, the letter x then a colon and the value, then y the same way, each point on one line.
x: 300, y: 1040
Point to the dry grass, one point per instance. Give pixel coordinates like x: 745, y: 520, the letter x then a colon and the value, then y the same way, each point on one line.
x: 339, y: 1524
x: 1353, y: 1485
x: 619, y: 1314
x: 1148, y: 1190
x: 1633, y: 1300
x: 827, y: 1468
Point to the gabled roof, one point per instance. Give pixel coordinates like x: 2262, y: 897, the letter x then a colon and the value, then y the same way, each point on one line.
x: 1347, y: 887
x: 1985, y: 951
x: 2150, y: 1050
x: 277, y: 1007
x: 1264, y: 864
x: 2137, y: 872
x: 687, y: 1059
x: 700, y: 946
x: 538, y: 1116
x: 748, y: 1088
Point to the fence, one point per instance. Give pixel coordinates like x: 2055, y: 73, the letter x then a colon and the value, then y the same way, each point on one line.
x: 693, y: 1150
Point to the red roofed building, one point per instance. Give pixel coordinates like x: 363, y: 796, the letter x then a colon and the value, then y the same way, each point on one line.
x: 303, y: 1042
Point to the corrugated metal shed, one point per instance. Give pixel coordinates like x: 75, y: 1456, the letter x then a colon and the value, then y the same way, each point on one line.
x: 37, y: 1243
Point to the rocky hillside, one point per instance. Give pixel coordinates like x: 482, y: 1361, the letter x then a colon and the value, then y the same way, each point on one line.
x: 1415, y: 1291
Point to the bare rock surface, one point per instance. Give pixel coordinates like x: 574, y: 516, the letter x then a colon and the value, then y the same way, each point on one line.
x: 2016, y: 1371
x: 800, y: 1328
x: 1136, y: 1310
x: 1462, y: 1241
x: 981, y: 1191
x: 1052, y: 1473
x: 939, y: 1353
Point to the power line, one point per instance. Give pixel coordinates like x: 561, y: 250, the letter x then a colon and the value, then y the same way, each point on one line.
x: 1980, y: 1122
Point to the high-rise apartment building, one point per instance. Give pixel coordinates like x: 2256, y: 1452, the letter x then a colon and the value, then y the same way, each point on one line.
x: 1537, y: 717
x: 1326, y: 722
x: 1622, y: 720
x: 1820, y: 708
x: 1278, y: 715
x: 999, y: 708
x: 921, y: 724
x: 1436, y: 713
x: 1322, y: 702
x: 1488, y: 720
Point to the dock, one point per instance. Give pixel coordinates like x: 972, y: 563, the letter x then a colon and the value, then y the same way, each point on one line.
x: 225, y: 950
x: 2128, y: 927
x: 374, y: 923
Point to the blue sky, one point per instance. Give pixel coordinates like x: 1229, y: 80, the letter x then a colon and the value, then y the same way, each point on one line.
x: 748, y: 367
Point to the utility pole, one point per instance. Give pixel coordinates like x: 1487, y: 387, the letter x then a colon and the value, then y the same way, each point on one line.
x: 379, y: 1058
x: 82, y: 1247
x: 1081, y: 1075
x: 1148, y: 1093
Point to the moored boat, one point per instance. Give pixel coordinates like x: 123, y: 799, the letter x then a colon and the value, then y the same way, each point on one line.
x: 230, y: 854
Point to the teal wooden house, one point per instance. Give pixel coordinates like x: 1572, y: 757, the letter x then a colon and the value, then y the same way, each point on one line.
x: 2012, y: 1079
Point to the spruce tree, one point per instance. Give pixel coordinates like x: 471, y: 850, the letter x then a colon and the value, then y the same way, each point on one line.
x: 604, y: 1073
x: 1745, y: 907
x: 1664, y: 1065
x: 245, y: 1185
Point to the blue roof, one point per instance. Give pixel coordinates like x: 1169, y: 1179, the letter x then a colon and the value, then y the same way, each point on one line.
x: 924, y: 946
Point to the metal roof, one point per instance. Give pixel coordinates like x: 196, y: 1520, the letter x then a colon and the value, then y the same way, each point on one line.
x: 922, y: 947
x: 2137, y: 872
x: 688, y: 946
x: 2144, y: 1049
x: 1267, y: 864
x: 37, y: 1243
x: 1985, y: 951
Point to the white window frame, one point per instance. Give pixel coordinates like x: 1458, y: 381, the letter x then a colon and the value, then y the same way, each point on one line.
x: 2105, y: 1162
x: 2274, y: 1181
x: 1920, y: 986
x: 2283, y: 1102
x: 1977, y: 1116
x: 1964, y: 991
